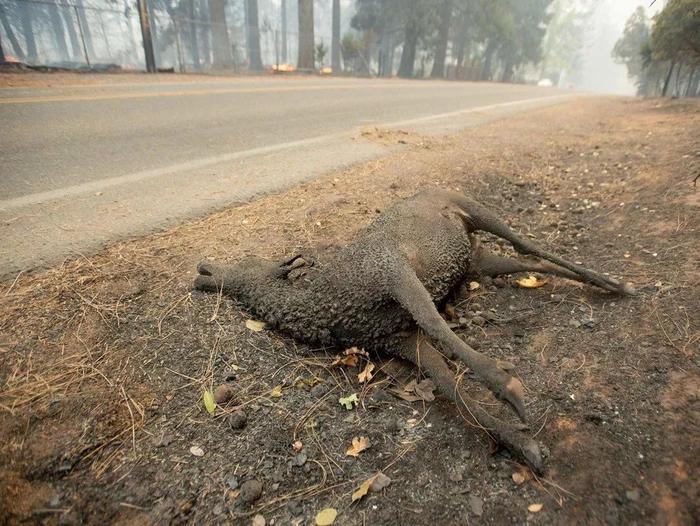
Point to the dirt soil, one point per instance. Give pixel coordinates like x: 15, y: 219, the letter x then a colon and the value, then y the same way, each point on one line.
x: 104, y: 360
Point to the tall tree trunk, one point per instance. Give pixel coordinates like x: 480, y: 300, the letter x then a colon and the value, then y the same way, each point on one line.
x: 253, y: 43
x: 87, y: 35
x: 438, y: 70
x: 205, y: 38
x: 219, y: 28
x: 153, y: 23
x: 194, y: 41
x: 691, y: 76
x: 19, y: 53
x: 2, y: 52
x: 408, y: 54
x: 284, y: 31
x: 668, y: 78
x: 508, y: 70
x: 59, y: 35
x: 335, y: 38
x: 677, y: 88
x: 461, y: 52
x: 306, y: 35
x: 67, y: 14
x: 488, y: 60
x: 28, y: 30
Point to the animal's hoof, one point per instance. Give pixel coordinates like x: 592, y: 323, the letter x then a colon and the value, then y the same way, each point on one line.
x: 513, y: 393
x: 628, y: 289
x: 532, y: 454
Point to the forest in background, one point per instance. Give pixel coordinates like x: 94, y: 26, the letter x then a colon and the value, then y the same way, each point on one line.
x: 491, y: 40
x: 662, y: 54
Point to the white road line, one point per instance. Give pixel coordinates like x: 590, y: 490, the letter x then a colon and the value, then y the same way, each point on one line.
x: 102, y: 184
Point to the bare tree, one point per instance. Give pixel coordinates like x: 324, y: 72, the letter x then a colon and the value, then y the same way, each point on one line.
x: 306, y: 35
x: 28, y: 30
x: 59, y: 34
x: 443, y: 34
x: 253, y: 32
x: 284, y: 31
x: 19, y: 53
x: 221, y: 43
x: 335, y: 38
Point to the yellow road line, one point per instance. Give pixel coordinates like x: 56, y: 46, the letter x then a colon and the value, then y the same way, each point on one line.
x: 184, y: 93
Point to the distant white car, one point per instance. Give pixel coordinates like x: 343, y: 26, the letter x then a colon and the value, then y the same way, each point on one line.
x: 545, y: 83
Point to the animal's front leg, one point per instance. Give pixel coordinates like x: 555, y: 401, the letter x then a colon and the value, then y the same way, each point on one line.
x: 412, y: 295
x: 419, y: 351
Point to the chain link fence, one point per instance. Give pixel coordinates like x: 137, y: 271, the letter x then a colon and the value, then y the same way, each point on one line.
x: 106, y: 34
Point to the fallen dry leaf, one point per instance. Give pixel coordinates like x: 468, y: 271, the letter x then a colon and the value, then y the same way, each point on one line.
x: 534, y: 508
x: 425, y: 390
x: 366, y: 373
x: 326, y: 517
x: 350, y: 357
x: 413, y: 391
x: 276, y: 391
x: 350, y: 360
x: 531, y: 282
x: 259, y: 520
x: 450, y: 311
x: 255, y: 325
x: 209, y: 402
x: 473, y: 285
x: 518, y: 478
x: 405, y: 395
x: 359, y: 444
x: 375, y: 483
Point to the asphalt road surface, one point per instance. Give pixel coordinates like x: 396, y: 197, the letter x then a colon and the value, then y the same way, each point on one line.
x: 83, y: 166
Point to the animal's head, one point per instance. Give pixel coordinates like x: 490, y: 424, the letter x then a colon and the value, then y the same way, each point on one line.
x: 247, y: 277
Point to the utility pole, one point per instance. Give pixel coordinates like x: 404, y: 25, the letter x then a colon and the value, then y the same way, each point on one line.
x: 146, y: 34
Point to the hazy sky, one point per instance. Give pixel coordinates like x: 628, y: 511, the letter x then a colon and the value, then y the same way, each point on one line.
x: 600, y: 72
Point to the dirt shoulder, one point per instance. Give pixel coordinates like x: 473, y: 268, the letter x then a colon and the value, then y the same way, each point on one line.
x: 104, y: 360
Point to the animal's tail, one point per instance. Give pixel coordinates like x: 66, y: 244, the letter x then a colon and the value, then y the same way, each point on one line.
x: 478, y: 217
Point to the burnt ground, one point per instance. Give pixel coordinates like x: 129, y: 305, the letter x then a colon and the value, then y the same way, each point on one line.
x: 104, y: 361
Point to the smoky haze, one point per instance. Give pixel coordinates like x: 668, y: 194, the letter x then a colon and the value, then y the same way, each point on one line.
x: 567, y: 43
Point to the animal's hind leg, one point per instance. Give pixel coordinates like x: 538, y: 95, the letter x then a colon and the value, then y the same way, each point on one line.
x: 486, y: 263
x: 410, y: 293
x: 476, y: 217
x: 419, y: 351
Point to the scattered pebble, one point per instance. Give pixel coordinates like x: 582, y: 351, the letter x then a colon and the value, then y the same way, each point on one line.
x: 237, y: 420
x: 393, y: 426
x: 197, y: 451
x: 251, y: 490
x: 232, y: 482
x: 223, y: 394
x: 318, y: 390
x: 632, y: 495
x: 477, y: 505
x: 478, y: 320
x: 258, y: 520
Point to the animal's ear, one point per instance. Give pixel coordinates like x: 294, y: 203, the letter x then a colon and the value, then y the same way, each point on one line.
x: 210, y: 277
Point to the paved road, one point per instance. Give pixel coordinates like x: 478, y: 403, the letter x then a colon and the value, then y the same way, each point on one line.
x: 85, y: 165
